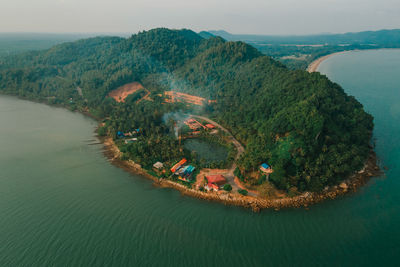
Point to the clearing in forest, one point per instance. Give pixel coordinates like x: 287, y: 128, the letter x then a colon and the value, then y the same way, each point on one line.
x: 124, y: 91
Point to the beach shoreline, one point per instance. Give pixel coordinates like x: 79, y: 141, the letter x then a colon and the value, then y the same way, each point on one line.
x: 303, y: 200
x: 313, y: 67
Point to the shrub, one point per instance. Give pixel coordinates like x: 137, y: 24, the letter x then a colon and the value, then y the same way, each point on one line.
x: 227, y: 187
x: 243, y: 192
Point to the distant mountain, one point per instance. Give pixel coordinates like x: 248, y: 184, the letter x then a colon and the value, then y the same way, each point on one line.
x: 224, y: 34
x: 206, y: 34
x: 305, y: 126
x: 382, y: 37
x: 12, y: 43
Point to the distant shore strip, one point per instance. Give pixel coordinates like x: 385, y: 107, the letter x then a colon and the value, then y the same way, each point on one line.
x: 313, y: 67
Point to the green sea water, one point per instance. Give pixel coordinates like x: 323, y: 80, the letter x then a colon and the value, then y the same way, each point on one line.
x: 207, y: 151
x: 63, y: 204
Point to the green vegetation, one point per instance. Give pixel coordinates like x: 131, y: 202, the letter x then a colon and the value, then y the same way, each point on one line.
x: 243, y: 192
x: 227, y: 187
x: 211, y: 150
x: 302, y: 124
x: 297, y: 52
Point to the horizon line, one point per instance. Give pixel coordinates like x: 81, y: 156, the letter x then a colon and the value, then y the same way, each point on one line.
x: 221, y: 30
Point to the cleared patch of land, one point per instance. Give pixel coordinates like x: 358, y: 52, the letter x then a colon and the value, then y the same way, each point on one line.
x: 173, y: 96
x: 121, y: 93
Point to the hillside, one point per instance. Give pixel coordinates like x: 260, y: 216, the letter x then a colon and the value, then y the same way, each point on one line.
x: 13, y: 43
x: 297, y: 52
x: 305, y: 126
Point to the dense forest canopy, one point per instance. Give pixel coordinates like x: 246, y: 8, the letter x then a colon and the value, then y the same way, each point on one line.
x: 305, y: 126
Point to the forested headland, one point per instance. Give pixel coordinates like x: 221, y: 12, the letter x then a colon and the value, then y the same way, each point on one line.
x: 305, y: 126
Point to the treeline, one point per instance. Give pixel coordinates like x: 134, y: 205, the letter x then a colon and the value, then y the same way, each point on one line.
x: 156, y: 141
x: 305, y: 126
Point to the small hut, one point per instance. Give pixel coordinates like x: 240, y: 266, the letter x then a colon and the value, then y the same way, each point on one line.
x: 265, y: 168
x: 158, y: 166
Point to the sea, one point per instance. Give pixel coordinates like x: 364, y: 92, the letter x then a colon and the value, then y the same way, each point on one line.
x: 62, y: 203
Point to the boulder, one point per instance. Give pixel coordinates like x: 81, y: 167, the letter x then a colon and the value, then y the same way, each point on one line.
x: 343, y: 186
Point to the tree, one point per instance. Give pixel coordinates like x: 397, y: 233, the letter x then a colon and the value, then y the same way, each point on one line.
x: 227, y: 187
x: 243, y: 192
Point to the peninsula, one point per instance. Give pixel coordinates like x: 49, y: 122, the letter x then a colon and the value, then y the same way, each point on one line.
x: 291, y: 137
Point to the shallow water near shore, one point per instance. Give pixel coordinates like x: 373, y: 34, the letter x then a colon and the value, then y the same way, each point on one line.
x: 63, y: 204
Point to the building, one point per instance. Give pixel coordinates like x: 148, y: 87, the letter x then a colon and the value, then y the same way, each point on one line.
x: 194, y: 124
x: 214, y: 182
x: 210, y: 187
x: 265, y: 168
x: 185, y: 173
x: 130, y: 140
x: 210, y: 126
x: 158, y: 165
x: 178, y: 165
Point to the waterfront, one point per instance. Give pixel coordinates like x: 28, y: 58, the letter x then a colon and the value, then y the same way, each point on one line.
x: 64, y: 204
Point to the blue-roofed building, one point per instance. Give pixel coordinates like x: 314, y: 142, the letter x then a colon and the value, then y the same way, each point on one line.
x: 265, y: 165
x: 266, y: 168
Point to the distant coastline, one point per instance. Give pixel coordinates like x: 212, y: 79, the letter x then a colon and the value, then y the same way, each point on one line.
x: 313, y: 67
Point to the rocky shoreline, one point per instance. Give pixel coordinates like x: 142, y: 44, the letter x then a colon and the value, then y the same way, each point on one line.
x: 306, y: 199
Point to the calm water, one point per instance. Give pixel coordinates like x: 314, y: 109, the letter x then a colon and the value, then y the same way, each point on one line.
x: 203, y: 149
x: 63, y: 204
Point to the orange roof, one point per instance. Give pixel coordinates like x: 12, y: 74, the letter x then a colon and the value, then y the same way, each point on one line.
x: 176, y: 166
x: 216, y: 179
x: 210, y: 126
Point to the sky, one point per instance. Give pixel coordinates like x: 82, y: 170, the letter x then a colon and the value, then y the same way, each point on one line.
x: 268, y: 17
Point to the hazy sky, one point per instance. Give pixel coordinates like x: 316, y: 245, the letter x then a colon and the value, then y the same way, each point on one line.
x: 236, y: 16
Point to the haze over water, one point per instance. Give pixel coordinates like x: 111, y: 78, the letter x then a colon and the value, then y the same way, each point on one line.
x: 63, y: 204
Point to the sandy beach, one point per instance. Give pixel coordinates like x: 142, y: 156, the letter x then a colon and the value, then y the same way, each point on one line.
x: 315, y: 64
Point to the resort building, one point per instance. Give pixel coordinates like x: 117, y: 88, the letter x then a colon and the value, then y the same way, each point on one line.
x: 178, y: 165
x: 158, y: 165
x: 265, y: 168
x: 214, y: 182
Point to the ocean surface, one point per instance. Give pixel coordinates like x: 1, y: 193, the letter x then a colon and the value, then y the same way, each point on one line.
x: 63, y: 204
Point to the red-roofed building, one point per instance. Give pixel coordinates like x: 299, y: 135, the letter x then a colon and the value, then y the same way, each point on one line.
x: 210, y: 187
x: 210, y: 126
x: 217, y: 179
x: 178, y: 165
